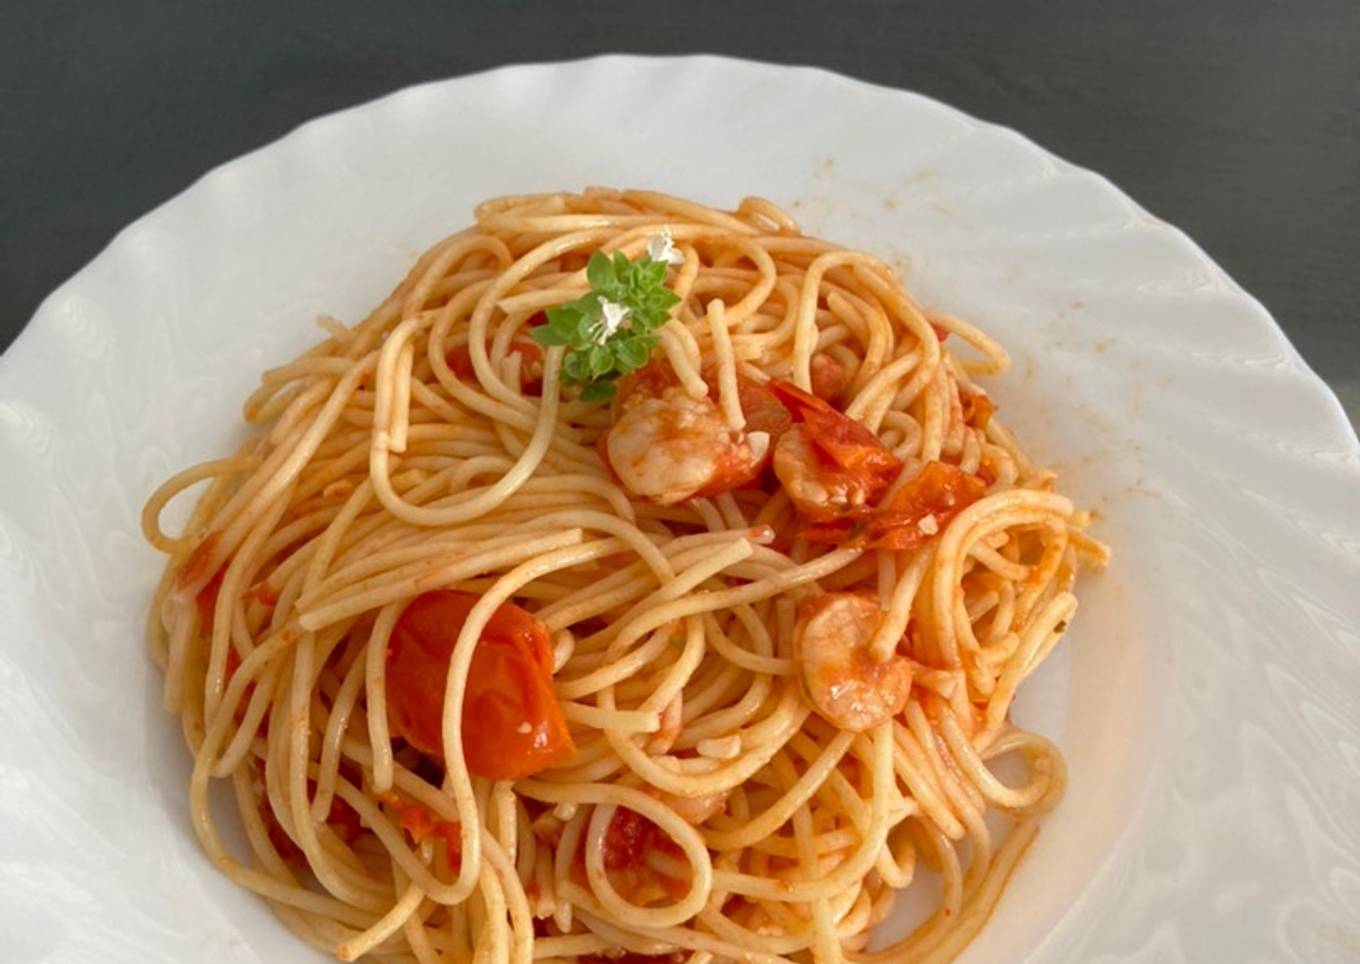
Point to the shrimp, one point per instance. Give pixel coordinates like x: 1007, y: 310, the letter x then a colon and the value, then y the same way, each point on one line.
x: 921, y: 508
x: 819, y: 489
x: 845, y: 683
x: 668, y: 446
x: 831, y: 466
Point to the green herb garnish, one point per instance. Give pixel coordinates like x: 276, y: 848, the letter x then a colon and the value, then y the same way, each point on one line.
x: 609, y: 332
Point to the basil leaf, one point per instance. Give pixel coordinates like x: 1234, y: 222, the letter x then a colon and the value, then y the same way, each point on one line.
x: 599, y: 391
x: 600, y: 272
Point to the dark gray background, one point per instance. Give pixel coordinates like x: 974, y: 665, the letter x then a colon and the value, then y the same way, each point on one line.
x: 1237, y: 121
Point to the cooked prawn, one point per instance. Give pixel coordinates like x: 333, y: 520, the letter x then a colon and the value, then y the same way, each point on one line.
x: 920, y: 509
x: 831, y: 466
x: 820, y: 490
x: 845, y: 683
x: 667, y: 446
x: 671, y: 448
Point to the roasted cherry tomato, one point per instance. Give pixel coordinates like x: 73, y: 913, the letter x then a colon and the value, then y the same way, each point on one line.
x: 513, y: 723
x: 977, y: 409
x: 830, y: 379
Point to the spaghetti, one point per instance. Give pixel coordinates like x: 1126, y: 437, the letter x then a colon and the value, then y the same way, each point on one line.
x: 704, y: 672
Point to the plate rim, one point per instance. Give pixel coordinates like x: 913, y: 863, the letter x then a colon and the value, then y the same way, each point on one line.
x: 1344, y: 435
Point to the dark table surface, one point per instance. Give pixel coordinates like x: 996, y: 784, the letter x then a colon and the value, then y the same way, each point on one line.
x: 1237, y: 121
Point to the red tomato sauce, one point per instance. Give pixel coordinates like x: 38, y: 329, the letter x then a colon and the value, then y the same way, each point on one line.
x: 627, y: 840
x: 530, y: 362
x: 196, y: 566
x: 343, y: 819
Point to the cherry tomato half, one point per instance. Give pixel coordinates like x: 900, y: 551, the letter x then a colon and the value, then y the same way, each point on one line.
x: 512, y: 721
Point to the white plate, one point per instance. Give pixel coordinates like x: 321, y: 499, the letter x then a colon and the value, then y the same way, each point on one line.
x: 1208, y: 697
